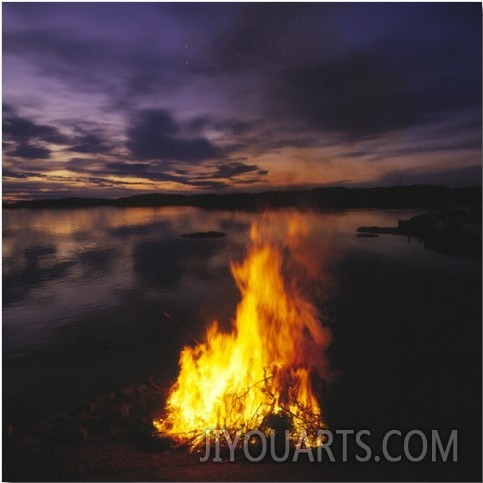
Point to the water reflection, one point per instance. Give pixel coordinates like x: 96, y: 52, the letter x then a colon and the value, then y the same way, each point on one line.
x: 84, y: 291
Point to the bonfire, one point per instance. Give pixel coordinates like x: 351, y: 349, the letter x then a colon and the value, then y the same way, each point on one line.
x: 260, y: 375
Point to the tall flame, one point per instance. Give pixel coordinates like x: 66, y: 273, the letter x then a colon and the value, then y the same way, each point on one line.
x: 266, y: 365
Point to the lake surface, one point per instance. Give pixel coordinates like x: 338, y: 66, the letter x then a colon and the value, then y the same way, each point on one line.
x: 86, y: 293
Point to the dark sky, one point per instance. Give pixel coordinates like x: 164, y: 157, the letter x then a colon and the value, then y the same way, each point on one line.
x: 111, y: 99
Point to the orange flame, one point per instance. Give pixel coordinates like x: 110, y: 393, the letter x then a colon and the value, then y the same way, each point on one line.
x: 265, y: 365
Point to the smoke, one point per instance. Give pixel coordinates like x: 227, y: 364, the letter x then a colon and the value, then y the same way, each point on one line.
x: 310, y: 250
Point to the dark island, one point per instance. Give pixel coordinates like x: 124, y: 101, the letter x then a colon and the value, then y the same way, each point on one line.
x: 204, y: 234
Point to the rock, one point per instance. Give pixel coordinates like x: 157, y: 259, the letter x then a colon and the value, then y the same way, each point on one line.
x: 27, y: 442
x: 84, y: 416
x: 142, y: 389
x: 115, y: 431
x: 43, y: 429
x: 93, y: 406
x: 367, y: 235
x: 125, y: 410
x: 9, y: 430
x: 65, y: 429
x: 84, y: 432
x: 129, y: 392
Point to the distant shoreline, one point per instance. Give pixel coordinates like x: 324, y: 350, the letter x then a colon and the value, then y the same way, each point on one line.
x: 450, y: 232
x: 416, y: 196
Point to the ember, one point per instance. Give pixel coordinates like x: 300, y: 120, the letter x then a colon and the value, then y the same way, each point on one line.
x: 260, y: 375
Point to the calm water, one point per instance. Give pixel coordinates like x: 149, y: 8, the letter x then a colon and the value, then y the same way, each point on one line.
x: 85, y: 293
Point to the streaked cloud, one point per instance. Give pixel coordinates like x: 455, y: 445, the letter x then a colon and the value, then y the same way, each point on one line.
x: 117, y: 98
